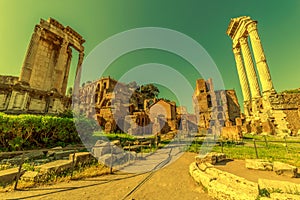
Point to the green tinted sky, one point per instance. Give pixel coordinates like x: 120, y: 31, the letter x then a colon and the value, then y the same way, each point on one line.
x: 204, y: 21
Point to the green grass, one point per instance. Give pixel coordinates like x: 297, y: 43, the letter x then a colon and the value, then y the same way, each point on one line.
x: 276, y: 151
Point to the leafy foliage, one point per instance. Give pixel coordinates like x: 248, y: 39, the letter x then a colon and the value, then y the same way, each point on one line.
x: 19, y: 132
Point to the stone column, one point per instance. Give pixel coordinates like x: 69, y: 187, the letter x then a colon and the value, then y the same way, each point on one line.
x: 66, y: 72
x: 242, y: 74
x: 261, y: 63
x: 60, y: 67
x: 251, y: 74
x: 30, y: 56
x: 78, y: 74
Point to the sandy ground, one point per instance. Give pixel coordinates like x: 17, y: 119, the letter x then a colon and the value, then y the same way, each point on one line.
x: 171, y: 182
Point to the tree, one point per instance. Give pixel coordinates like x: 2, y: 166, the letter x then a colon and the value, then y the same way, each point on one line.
x: 149, y: 91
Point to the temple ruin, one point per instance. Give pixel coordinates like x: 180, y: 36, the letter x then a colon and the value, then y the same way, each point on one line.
x: 265, y: 109
x: 42, y: 85
x: 216, y: 109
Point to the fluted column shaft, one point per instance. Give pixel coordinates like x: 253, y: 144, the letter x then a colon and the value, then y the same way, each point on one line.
x: 260, y: 59
x: 241, y: 72
x: 249, y: 66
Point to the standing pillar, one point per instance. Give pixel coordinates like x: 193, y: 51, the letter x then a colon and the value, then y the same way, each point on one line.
x: 261, y: 63
x: 78, y: 74
x: 30, y: 56
x: 251, y: 74
x: 60, y: 67
x: 243, y: 78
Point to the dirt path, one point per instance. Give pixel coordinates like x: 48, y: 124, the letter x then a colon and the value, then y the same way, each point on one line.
x: 171, y: 182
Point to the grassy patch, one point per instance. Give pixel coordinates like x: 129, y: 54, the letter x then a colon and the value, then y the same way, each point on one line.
x: 276, y: 150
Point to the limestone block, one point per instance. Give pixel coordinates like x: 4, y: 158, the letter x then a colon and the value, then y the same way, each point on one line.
x: 55, y: 166
x: 9, y: 175
x: 199, y: 176
x: 259, y: 164
x: 219, y: 190
x: 278, y: 186
x: 30, y: 176
x: 81, y: 158
x: 285, y: 169
x: 101, y: 149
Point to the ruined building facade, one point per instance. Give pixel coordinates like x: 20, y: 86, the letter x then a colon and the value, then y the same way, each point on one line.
x: 215, y: 109
x: 265, y: 109
x: 41, y: 87
x: 119, y: 107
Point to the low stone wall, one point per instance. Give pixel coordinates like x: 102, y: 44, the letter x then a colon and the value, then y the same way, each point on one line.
x: 223, y: 185
x: 278, y: 167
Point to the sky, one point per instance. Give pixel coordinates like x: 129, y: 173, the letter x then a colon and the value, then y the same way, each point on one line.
x: 203, y: 21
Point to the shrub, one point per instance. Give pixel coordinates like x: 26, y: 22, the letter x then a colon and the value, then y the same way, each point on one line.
x: 19, y: 132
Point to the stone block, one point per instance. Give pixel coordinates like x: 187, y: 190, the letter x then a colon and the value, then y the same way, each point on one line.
x: 101, y: 149
x: 30, y: 176
x: 219, y: 190
x: 55, y: 166
x: 273, y: 186
x: 9, y: 175
x: 62, y: 154
x: 81, y: 158
x: 259, y: 164
x: 285, y: 169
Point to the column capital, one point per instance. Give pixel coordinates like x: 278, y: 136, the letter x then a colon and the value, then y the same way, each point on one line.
x: 236, y: 50
x: 243, y: 40
x: 251, y: 26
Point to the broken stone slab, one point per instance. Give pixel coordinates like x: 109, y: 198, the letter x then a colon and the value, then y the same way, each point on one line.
x: 81, y: 158
x: 30, y: 176
x: 62, y: 154
x: 259, y: 164
x: 204, y: 166
x: 32, y: 155
x: 273, y: 186
x: 101, y: 149
x: 219, y: 190
x: 53, y: 150
x: 285, y: 169
x: 200, y: 176
x: 9, y: 175
x: 55, y: 166
x: 211, y: 158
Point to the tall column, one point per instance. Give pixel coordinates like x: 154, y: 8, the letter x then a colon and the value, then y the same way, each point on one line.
x: 60, y: 66
x: 78, y: 74
x: 30, y: 56
x: 241, y: 72
x: 251, y: 74
x: 259, y: 55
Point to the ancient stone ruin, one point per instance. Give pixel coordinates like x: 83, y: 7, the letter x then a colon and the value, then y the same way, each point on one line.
x: 41, y: 87
x: 119, y: 107
x: 218, y: 111
x: 265, y: 109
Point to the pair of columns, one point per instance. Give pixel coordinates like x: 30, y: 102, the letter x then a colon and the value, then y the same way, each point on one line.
x: 245, y: 65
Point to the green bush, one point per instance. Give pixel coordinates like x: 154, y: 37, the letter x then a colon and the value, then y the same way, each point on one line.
x: 19, y: 132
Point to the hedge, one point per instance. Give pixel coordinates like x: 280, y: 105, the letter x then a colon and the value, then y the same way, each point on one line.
x: 18, y: 132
